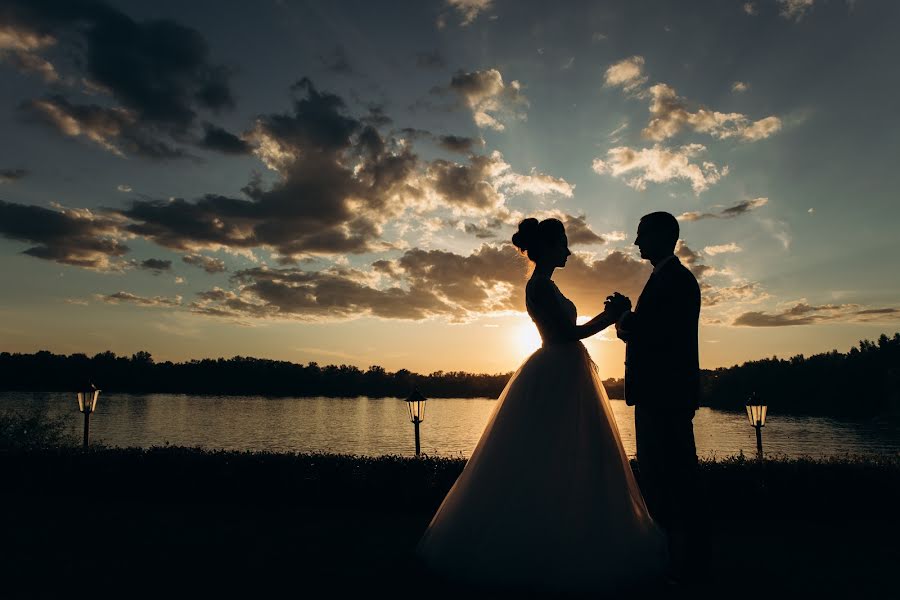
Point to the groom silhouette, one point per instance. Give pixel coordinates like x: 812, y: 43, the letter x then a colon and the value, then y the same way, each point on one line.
x: 662, y: 382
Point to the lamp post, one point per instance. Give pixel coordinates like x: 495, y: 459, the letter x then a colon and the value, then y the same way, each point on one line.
x: 87, y: 403
x: 416, y: 406
x: 756, y: 414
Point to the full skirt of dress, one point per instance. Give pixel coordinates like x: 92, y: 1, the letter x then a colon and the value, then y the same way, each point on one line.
x: 548, y: 499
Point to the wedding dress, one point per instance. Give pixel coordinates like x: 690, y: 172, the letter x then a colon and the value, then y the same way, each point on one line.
x: 548, y: 499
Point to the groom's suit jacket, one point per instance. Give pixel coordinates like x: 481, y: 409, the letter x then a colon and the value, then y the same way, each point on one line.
x: 661, y: 358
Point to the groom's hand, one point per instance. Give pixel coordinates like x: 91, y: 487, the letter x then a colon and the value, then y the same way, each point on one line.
x: 617, y: 304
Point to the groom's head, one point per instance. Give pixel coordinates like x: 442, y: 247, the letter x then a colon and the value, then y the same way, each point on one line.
x: 657, y: 235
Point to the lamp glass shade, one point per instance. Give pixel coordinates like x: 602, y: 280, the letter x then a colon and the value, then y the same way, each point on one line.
x: 87, y: 401
x: 416, y: 406
x: 756, y: 414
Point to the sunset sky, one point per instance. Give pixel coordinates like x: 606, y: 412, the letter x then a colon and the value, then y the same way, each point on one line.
x: 338, y: 181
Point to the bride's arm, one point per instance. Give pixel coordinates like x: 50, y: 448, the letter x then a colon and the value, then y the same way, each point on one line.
x: 550, y: 313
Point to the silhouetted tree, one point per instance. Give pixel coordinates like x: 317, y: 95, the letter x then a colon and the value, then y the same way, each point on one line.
x: 864, y: 381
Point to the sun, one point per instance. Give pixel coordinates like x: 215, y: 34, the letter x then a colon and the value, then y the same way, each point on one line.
x: 526, y: 340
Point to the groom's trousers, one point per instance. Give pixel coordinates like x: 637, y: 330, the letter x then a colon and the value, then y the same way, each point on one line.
x: 667, y: 462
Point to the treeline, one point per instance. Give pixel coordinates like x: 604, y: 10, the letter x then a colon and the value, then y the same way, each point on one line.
x: 240, y: 375
x: 863, y: 381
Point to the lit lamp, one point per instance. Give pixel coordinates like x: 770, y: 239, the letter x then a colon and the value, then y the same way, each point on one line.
x: 416, y: 405
x: 756, y: 414
x: 87, y: 403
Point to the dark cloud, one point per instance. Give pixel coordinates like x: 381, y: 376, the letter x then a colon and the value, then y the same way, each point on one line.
x: 221, y: 140
x: 737, y: 210
x: 490, y: 99
x: 69, y: 236
x: 579, y: 232
x: 467, y: 185
x: 29, y: 62
x: 806, y: 314
x: 294, y: 293
x: 458, y: 143
x: 10, y: 175
x: 157, y: 70
x: 376, y: 117
x: 115, y: 129
x: 424, y: 283
x: 128, y: 297
x: 481, y: 232
x: 691, y: 260
x: 157, y: 265
x: 430, y: 60
x: 340, y: 181
x: 207, y: 263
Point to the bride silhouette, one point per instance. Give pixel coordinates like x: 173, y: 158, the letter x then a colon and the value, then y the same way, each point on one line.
x: 548, y: 500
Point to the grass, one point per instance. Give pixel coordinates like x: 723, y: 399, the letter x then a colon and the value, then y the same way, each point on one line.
x: 178, y: 520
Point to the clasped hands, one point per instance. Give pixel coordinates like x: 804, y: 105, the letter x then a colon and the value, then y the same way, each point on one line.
x: 617, y: 304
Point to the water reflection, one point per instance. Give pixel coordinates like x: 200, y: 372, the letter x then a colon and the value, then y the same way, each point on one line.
x: 381, y: 426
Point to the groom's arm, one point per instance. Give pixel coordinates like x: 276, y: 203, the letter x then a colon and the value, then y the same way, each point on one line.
x: 676, y: 303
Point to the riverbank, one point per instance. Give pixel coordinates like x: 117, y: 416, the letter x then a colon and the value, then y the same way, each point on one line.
x: 174, y: 519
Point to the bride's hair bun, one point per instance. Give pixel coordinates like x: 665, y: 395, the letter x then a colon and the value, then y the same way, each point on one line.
x: 527, y: 234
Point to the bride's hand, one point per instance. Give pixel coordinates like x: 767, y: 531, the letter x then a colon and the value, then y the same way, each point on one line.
x: 617, y: 304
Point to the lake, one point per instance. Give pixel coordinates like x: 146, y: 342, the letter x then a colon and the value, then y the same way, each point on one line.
x: 376, y: 426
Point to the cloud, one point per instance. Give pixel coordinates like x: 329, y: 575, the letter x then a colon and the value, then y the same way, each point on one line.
x: 157, y: 71
x: 68, y: 236
x: 660, y: 165
x: 740, y: 87
x: 468, y: 186
x: 691, y: 260
x: 750, y: 9
x: 19, y: 47
x: 422, y: 284
x: 458, y: 143
x: 740, y: 292
x: 128, y: 297
x: 737, y: 210
x: 340, y: 180
x: 627, y: 73
x: 722, y: 249
x: 579, y: 232
x: 482, y: 185
x: 10, y: 175
x: 469, y: 9
x: 430, y: 60
x: 216, y: 138
x: 778, y: 230
x: 27, y: 62
x: 669, y: 115
x: 539, y: 184
x: 480, y: 231
x: 207, y: 263
x: 157, y: 265
x: 794, y: 9
x: 117, y: 130
x: 490, y: 99
x: 803, y: 313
